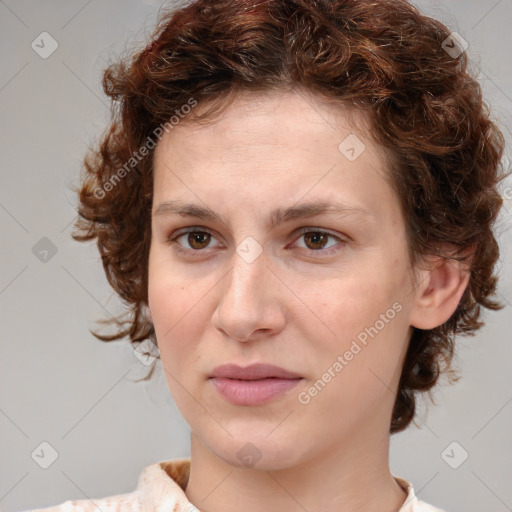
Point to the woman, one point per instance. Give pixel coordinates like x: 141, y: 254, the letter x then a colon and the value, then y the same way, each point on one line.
x: 296, y: 199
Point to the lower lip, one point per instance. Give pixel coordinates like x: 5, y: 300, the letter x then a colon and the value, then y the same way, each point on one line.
x: 252, y: 392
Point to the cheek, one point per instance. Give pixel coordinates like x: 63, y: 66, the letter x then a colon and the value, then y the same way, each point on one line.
x: 355, y: 369
x: 367, y: 325
x: 351, y: 303
x: 174, y: 314
x: 173, y: 307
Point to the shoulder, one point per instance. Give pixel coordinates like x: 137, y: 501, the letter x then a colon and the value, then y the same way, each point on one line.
x: 119, y: 503
x: 160, y: 487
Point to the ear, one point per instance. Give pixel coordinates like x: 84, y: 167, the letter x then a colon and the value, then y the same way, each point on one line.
x: 148, y: 309
x: 439, y: 289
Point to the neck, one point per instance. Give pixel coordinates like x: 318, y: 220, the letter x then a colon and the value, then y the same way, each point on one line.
x: 350, y: 477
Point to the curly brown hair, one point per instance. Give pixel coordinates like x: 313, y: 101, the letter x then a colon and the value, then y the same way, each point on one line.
x: 384, y: 57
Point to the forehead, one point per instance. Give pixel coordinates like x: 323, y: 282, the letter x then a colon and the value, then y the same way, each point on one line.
x: 275, y: 118
x: 272, y: 146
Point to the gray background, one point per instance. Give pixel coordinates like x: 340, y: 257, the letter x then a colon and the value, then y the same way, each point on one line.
x: 62, y: 386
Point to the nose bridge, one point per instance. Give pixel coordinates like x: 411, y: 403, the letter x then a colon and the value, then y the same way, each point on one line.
x: 248, y: 303
x: 249, y: 269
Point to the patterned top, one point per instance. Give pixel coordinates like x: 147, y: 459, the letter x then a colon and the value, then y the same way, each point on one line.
x: 161, y: 488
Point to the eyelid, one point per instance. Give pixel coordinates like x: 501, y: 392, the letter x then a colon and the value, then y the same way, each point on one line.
x: 313, y: 229
x: 321, y: 252
x: 192, y: 229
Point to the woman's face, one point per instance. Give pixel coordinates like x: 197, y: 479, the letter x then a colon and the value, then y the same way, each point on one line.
x: 325, y: 295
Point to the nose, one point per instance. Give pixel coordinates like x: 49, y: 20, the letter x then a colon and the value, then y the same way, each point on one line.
x: 251, y: 301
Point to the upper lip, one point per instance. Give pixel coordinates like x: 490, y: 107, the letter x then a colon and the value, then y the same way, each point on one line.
x: 252, y: 372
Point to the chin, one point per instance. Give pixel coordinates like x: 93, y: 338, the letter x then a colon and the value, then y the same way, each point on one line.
x: 257, y: 450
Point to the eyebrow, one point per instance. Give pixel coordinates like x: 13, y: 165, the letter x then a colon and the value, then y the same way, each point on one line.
x: 278, y: 216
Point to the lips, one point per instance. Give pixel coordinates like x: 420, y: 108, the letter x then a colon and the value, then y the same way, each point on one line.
x: 253, y: 372
x: 252, y: 385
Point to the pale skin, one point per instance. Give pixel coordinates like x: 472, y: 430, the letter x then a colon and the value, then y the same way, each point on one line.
x: 296, y: 305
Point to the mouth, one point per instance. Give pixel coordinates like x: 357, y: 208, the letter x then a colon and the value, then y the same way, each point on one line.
x: 256, y: 371
x: 252, y: 385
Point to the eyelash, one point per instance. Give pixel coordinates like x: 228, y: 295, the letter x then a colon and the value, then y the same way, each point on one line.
x: 303, y: 231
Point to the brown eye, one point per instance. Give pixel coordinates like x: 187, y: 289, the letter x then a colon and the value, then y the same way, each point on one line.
x: 193, y: 242
x: 318, y: 242
x: 315, y: 240
x: 198, y: 239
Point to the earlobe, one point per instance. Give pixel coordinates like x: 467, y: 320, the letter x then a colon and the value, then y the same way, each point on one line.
x: 438, y: 293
